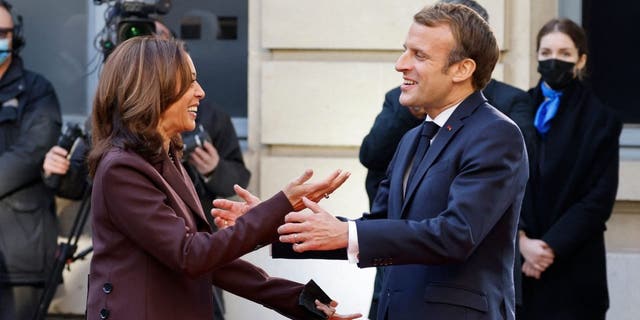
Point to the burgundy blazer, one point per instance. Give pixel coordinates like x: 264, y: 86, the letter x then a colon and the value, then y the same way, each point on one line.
x: 155, y: 256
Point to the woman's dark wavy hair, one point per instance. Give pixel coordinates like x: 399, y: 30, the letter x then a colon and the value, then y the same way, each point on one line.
x: 141, y: 78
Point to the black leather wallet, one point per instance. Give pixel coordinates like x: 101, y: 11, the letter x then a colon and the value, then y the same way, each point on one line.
x: 285, y: 251
x: 309, y: 295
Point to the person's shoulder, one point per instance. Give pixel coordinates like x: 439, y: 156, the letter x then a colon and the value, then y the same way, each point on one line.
x: 489, y: 116
x: 117, y: 156
x: 490, y: 112
x: 601, y: 110
x: 497, y: 88
x: 586, y: 100
x: 36, y: 81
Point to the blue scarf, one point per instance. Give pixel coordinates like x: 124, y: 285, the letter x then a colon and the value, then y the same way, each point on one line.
x: 547, y: 110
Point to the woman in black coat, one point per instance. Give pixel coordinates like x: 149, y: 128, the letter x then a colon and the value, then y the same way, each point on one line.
x: 573, y: 185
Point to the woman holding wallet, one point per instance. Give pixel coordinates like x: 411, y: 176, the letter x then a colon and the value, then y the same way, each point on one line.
x: 154, y: 252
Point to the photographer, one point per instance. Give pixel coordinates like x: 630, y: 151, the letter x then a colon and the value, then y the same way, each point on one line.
x: 29, y: 124
x: 216, y: 165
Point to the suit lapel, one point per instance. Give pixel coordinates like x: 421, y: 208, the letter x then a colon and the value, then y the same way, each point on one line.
x: 178, y: 180
x: 442, y: 139
x: 404, y: 156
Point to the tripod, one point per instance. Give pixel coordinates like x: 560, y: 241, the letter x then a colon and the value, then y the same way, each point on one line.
x: 65, y: 255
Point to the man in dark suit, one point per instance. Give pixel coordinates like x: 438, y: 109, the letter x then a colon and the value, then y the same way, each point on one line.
x: 378, y: 146
x: 394, y: 120
x: 446, y: 233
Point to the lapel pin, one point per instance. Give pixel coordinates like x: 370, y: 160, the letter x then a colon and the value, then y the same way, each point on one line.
x: 448, y: 127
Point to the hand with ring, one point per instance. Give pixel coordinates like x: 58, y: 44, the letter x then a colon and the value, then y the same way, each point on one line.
x: 227, y: 211
x: 299, y: 188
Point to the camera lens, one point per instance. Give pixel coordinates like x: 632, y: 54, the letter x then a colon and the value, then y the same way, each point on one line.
x: 135, y: 28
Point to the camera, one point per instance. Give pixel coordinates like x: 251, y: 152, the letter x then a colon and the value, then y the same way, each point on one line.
x: 192, y: 140
x: 127, y: 19
x: 67, y: 140
x: 69, y: 135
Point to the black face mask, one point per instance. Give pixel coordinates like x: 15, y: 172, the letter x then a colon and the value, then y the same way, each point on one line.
x: 556, y: 73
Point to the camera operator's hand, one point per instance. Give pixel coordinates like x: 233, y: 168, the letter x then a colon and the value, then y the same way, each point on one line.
x: 205, y: 159
x: 56, y: 162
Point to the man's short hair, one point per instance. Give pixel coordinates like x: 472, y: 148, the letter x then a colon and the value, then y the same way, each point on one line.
x: 473, y: 37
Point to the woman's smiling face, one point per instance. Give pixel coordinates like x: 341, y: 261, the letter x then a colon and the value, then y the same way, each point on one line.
x: 181, y: 115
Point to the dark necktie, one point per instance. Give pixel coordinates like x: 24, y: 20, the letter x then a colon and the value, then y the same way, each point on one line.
x: 429, y: 129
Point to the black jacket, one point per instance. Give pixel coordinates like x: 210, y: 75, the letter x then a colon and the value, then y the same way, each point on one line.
x: 380, y: 144
x: 573, y: 189
x: 231, y: 168
x: 29, y: 127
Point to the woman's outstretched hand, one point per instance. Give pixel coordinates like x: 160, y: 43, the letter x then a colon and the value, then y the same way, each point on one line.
x: 225, y: 211
x: 298, y: 188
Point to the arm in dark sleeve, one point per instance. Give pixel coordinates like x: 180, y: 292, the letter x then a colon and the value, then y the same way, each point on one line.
x: 231, y: 168
x: 587, y: 217
x: 522, y: 113
x: 390, y: 125
x: 250, y: 282
x: 143, y: 216
x: 39, y: 128
x: 491, y: 178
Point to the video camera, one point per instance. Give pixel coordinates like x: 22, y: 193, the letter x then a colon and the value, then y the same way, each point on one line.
x: 70, y: 133
x: 67, y: 140
x: 192, y: 140
x: 127, y: 19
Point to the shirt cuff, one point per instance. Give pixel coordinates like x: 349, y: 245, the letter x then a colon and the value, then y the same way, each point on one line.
x: 353, y: 250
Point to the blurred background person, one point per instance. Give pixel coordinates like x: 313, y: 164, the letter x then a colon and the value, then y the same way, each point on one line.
x: 29, y: 125
x: 573, y: 184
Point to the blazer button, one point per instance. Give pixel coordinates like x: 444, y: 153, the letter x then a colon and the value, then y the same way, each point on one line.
x: 107, y: 288
x: 104, y: 314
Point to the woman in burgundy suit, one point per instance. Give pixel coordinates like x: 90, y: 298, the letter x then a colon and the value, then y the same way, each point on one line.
x: 154, y: 252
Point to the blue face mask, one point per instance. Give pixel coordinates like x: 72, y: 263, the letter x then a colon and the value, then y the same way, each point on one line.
x: 4, y: 50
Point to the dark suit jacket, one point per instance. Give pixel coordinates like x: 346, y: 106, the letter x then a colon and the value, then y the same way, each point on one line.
x: 516, y: 104
x: 155, y: 256
x: 574, y: 185
x: 449, y: 243
x: 394, y: 120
